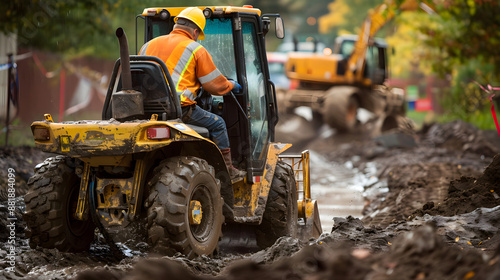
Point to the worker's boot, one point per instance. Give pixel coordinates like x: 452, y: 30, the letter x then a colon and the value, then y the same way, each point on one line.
x: 233, y: 171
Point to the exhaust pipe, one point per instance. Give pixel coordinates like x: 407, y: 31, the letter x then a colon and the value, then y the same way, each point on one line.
x: 124, y: 59
x: 126, y: 104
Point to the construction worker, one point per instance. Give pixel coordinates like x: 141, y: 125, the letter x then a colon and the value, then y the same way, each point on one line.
x: 191, y: 66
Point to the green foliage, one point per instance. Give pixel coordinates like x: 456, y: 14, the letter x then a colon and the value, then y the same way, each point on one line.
x: 19, y: 135
x: 467, y: 101
x: 463, y: 31
x: 79, y: 27
x: 419, y: 118
x: 463, y: 39
x: 481, y: 119
x: 58, y: 26
x: 347, y: 16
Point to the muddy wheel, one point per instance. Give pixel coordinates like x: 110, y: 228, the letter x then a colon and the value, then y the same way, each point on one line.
x: 317, y: 120
x: 280, y: 216
x: 397, y: 122
x: 50, y: 204
x: 174, y: 223
x: 340, y: 109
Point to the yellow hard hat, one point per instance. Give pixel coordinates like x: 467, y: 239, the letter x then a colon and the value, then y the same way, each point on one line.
x: 196, y: 16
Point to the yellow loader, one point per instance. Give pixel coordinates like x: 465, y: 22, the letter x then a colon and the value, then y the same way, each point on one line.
x: 142, y: 173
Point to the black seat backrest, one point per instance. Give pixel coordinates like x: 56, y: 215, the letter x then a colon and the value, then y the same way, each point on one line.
x: 149, y: 79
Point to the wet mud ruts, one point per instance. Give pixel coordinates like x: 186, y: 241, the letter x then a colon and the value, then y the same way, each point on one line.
x: 438, y: 218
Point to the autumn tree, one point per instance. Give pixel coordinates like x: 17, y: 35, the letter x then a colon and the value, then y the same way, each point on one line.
x: 463, y: 40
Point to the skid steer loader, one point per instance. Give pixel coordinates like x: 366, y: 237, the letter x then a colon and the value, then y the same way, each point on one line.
x: 142, y: 171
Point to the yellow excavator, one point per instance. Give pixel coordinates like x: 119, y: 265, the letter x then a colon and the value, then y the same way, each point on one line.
x: 141, y: 172
x: 334, y: 86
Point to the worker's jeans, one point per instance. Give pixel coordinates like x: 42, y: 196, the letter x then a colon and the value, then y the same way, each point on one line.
x: 214, y: 123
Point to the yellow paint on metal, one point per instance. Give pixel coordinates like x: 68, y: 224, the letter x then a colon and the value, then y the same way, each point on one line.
x: 65, y: 145
x: 301, y: 169
x: 195, y: 212
x: 247, y: 194
x: 306, y: 208
x: 87, y: 138
x: 48, y: 118
x: 110, y: 192
x: 82, y: 204
x: 139, y: 174
x: 307, y: 175
x: 175, y: 11
x: 309, y: 209
x: 154, y: 117
x: 113, y: 196
x: 301, y: 209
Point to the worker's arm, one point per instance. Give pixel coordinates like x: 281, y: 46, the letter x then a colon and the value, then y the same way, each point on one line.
x: 210, y: 77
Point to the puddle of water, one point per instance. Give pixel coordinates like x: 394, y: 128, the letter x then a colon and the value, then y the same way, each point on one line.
x: 339, y: 188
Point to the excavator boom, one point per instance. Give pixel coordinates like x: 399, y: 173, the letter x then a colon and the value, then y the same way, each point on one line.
x: 375, y: 20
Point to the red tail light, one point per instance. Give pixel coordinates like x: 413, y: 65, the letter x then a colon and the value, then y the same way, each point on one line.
x: 158, y: 133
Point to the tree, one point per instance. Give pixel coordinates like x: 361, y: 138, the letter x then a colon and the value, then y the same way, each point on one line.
x: 463, y: 31
x: 78, y: 27
x: 346, y: 16
x: 463, y: 40
x: 58, y: 26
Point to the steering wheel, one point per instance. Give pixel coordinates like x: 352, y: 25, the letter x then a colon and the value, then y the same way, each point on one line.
x: 204, y: 100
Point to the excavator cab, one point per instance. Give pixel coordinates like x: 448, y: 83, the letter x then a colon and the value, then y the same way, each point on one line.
x: 375, y: 67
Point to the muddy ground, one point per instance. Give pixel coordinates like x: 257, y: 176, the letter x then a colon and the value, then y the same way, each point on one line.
x: 431, y: 211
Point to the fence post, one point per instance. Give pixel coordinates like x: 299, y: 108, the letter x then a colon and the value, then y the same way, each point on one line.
x: 7, y: 121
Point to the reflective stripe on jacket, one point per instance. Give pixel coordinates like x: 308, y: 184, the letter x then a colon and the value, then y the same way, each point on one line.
x: 189, y: 64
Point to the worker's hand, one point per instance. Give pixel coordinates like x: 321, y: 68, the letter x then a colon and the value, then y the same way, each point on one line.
x: 236, y: 87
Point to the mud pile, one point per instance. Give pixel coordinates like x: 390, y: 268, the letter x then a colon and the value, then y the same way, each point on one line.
x: 420, y: 254
x: 469, y: 193
x: 433, y: 212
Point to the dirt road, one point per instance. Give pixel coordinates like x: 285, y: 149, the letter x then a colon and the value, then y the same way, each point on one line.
x: 400, y: 206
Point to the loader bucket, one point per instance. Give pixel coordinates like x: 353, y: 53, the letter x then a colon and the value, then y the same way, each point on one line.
x: 309, y: 224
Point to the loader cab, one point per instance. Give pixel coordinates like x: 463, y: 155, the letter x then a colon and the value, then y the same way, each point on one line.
x: 375, y: 67
x: 235, y: 37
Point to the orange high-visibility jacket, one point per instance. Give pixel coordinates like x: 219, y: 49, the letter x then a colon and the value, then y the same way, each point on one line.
x: 189, y: 64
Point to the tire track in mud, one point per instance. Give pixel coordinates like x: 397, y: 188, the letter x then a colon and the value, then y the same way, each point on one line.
x: 413, y: 187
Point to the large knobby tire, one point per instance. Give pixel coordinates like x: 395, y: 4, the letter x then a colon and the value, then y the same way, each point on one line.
x: 280, y: 216
x: 175, y: 183
x: 340, y: 109
x: 50, y: 205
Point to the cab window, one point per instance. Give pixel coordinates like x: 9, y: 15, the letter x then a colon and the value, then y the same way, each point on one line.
x: 256, y: 92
